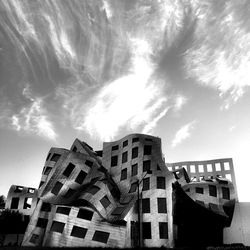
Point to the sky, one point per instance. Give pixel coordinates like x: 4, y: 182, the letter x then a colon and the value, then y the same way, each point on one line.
x: 98, y: 70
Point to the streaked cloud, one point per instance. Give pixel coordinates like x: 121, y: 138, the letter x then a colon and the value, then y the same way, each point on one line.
x: 183, y: 133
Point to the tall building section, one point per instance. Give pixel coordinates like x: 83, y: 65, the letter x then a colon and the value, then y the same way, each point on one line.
x: 127, y: 196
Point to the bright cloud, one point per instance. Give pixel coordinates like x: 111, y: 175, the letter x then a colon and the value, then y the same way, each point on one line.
x: 33, y: 119
x: 183, y: 133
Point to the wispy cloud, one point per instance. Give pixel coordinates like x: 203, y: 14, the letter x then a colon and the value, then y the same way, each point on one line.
x: 183, y: 133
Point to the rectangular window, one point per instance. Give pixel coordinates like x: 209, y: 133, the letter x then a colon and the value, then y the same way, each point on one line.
x: 146, y: 230
x: 114, y: 160
x: 125, y: 143
x: 57, y: 226
x: 199, y: 190
x: 27, y: 203
x: 41, y: 183
x: 34, y: 238
x: 162, y: 205
x: 225, y: 193
x: 212, y: 190
x: 163, y: 230
x: 116, y: 147
x: 209, y: 168
x: 192, y: 168
x: 217, y: 167
x: 146, y: 165
x: 229, y: 177
x: 147, y: 149
x: 93, y: 190
x: 146, y: 205
x: 226, y: 166
x: 80, y: 177
x: 134, y: 169
x: 41, y: 222
x: 63, y: 210
x: 47, y: 170
x: 101, y: 236
x: 31, y: 190
x: 200, y: 203
x: 134, y: 152
x: 118, y: 211
x: 67, y: 172
x: 55, y: 157
x: 48, y: 156
x: 124, y: 174
x: 136, y: 139
x: 105, y: 201
x: 133, y: 187
x: 78, y: 232
x: 89, y: 163
x: 14, y: 203
x: 161, y: 182
x: 56, y: 189
x: 145, y: 184
x: 124, y: 157
x: 69, y: 193
x: 201, y: 168
x: 85, y: 214
x: 46, y: 207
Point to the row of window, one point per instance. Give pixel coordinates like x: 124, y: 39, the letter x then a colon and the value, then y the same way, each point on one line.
x: 202, y: 168
x: 79, y: 232
x: 146, y: 230
x: 26, y: 204
x: 125, y: 143
x: 160, y: 184
x: 213, y: 191
x: 135, y: 150
x: 145, y: 205
x: 19, y: 189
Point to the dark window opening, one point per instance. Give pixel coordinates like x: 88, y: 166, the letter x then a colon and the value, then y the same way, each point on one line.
x: 78, y: 232
x: 200, y: 203
x: 225, y: 193
x: 148, y: 139
x: 105, y: 201
x: 146, y: 205
x: 187, y: 190
x: 118, y: 210
x: 163, y: 230
x: 63, y: 210
x: 124, y: 174
x: 158, y: 167
x: 89, y: 163
x: 162, y: 205
x: 125, y: 143
x: 46, y: 207
x: 74, y: 149
x: 67, y: 172
x: 146, y: 230
x: 146, y: 165
x: 85, y: 214
x: 27, y: 203
x: 93, y: 190
x: 57, y: 226
x: 114, y: 160
x: 55, y: 157
x: 212, y: 190
x: 133, y: 187
x: 134, y: 169
x: 101, y: 236
x: 14, y: 203
x: 161, y: 182
x: 136, y: 139
x: 147, y: 149
x: 47, y: 170
x: 124, y: 157
x: 56, y: 189
x: 69, y: 193
x: 34, y: 238
x: 145, y: 184
x: 116, y: 147
x: 41, y: 222
x: 199, y: 190
x: 80, y: 177
x: 48, y: 156
x: 134, y: 152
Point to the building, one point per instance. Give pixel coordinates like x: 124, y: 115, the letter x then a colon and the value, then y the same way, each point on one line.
x: 126, y: 196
